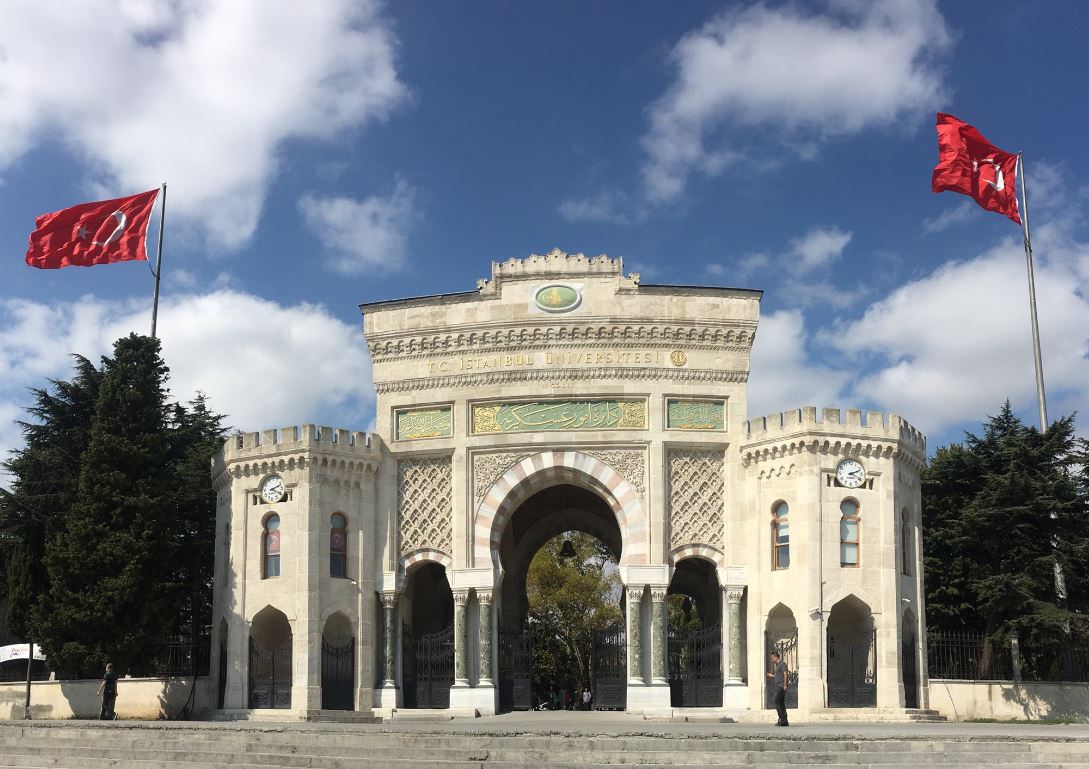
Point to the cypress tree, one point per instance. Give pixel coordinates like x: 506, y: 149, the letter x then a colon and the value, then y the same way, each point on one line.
x: 110, y: 567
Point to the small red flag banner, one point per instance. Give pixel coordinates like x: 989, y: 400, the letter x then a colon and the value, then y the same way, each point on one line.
x: 92, y: 233
x: 969, y: 164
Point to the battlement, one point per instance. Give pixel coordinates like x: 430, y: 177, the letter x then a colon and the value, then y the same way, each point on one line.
x: 831, y: 421
x: 295, y: 438
x: 555, y: 264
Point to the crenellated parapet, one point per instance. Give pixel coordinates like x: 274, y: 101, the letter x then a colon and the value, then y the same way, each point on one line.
x: 555, y: 264
x: 830, y: 431
x: 288, y: 448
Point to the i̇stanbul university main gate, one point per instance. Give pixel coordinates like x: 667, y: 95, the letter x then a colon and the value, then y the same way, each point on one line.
x: 381, y: 571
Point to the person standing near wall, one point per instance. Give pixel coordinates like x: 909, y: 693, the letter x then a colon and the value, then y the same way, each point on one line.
x: 778, y: 675
x: 108, y: 690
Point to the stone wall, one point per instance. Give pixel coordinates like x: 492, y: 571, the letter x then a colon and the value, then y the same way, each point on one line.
x: 147, y: 699
x: 1006, y: 700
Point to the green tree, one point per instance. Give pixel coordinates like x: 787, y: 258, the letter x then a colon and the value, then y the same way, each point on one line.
x: 1003, y: 514
x: 571, y: 601
x: 111, y: 566
x: 45, y: 475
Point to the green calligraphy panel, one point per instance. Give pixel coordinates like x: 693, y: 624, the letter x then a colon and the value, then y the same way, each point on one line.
x: 560, y: 415
x: 695, y: 415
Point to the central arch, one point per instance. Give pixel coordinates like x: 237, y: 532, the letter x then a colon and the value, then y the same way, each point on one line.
x: 553, y: 468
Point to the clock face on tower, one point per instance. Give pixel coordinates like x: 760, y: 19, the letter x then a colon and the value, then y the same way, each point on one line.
x: 850, y: 473
x: 272, y: 490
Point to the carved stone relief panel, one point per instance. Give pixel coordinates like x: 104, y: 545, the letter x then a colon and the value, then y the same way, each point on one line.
x: 630, y: 465
x: 697, y: 496
x: 488, y: 467
x: 425, y: 490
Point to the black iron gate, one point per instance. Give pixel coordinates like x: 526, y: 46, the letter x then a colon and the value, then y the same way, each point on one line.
x: 221, y: 688
x: 610, y: 668
x: 337, y: 676
x: 788, y: 650
x: 515, y: 669
x: 911, y: 673
x: 695, y: 667
x: 428, y: 669
x: 270, y: 676
x: 852, y: 672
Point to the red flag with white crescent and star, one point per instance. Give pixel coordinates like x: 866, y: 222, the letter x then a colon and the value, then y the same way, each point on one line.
x: 92, y: 233
x: 969, y: 164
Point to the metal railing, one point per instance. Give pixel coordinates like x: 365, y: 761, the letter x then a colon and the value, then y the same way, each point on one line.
x: 968, y: 656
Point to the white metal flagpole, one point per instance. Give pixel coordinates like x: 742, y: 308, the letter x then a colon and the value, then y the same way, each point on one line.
x: 1041, y: 398
x: 158, y: 262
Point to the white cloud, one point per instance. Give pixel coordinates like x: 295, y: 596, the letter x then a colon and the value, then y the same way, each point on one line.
x: 959, y: 214
x: 818, y: 248
x: 261, y: 363
x: 803, y: 77
x: 361, y: 235
x: 200, y: 95
x: 952, y: 346
x: 783, y: 375
x: 605, y: 206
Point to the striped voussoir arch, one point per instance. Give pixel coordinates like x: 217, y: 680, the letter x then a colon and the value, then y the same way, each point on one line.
x: 706, y: 552
x: 552, y: 468
x: 426, y: 554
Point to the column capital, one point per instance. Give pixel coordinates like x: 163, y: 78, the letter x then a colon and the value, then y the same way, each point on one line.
x: 658, y: 594
x: 461, y: 598
x: 389, y: 600
x: 734, y: 593
x: 484, y: 597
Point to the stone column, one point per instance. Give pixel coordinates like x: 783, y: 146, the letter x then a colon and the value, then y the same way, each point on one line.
x: 484, y: 603
x: 658, y: 636
x: 461, y: 639
x: 389, y: 607
x: 733, y: 642
x: 635, y: 633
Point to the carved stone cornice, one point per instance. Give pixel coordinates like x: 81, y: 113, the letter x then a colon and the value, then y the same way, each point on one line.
x: 877, y: 449
x: 497, y: 378
x: 727, y: 335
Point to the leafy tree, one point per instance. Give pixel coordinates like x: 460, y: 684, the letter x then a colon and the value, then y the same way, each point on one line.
x: 571, y: 601
x: 1003, y: 515
x: 110, y: 567
x: 45, y: 476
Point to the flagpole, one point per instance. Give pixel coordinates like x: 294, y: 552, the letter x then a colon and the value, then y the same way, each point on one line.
x: 159, y: 263
x: 1040, y: 396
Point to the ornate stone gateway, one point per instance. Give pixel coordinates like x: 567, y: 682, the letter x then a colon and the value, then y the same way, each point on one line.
x: 609, y: 662
x: 695, y: 666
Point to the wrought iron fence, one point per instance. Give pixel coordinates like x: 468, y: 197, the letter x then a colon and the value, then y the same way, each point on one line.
x: 968, y: 657
x: 185, y: 656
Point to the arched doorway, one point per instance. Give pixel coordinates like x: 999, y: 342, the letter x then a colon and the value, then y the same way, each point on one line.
x: 909, y: 659
x: 427, y: 638
x: 852, y: 655
x: 695, y: 635
x: 270, y: 660
x: 337, y: 664
x: 781, y: 635
x: 538, y: 528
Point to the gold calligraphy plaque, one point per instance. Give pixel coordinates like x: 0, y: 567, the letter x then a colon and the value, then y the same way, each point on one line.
x: 560, y: 415
x: 695, y: 415
x: 415, y: 424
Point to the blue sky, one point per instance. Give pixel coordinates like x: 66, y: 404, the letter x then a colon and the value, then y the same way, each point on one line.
x: 366, y: 151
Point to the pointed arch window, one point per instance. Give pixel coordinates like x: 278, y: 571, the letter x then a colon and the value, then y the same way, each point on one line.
x: 270, y: 544
x: 848, y: 533
x: 338, y: 546
x: 780, y: 536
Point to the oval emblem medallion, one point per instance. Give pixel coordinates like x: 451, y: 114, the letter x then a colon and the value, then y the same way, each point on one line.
x: 557, y: 298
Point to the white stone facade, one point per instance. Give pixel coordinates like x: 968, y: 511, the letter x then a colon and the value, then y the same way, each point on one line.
x: 561, y: 395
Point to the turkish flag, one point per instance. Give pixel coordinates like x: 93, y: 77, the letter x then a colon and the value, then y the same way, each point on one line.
x: 92, y: 233
x: 970, y: 164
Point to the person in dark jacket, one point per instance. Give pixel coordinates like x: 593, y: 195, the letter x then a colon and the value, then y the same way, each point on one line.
x: 778, y: 675
x: 108, y: 690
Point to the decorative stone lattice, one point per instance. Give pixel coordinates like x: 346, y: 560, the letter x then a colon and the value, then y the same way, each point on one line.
x: 424, y: 504
x: 488, y: 467
x: 697, y: 493
x: 629, y: 464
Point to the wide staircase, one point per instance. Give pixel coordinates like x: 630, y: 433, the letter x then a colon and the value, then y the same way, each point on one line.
x: 87, y: 745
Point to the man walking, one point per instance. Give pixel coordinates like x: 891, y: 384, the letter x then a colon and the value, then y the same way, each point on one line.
x: 108, y: 690
x: 778, y: 675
